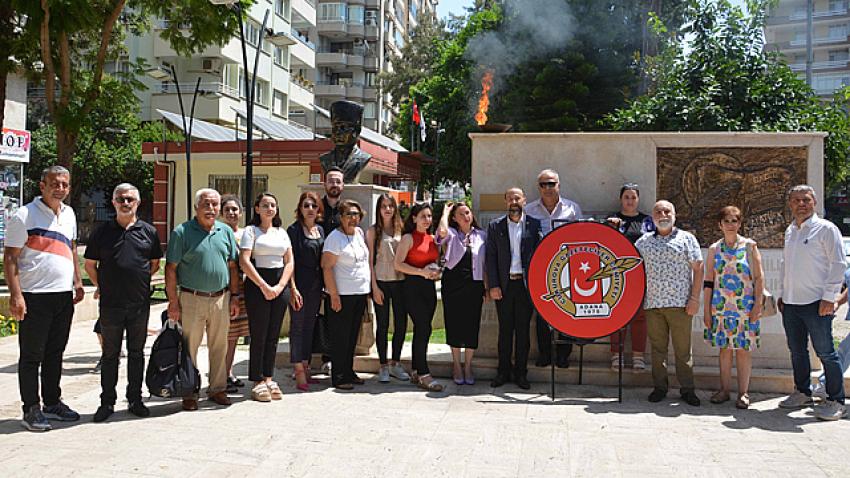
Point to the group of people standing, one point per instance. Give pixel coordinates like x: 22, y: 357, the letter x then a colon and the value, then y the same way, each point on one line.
x: 224, y: 282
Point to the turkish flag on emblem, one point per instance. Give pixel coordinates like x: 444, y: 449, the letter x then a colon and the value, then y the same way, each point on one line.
x: 584, y: 264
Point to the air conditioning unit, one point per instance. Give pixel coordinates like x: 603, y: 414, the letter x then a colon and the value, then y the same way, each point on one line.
x: 211, y: 65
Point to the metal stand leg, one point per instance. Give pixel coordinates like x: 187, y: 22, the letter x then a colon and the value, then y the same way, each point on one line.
x: 552, y: 362
x: 620, y: 341
x: 580, y: 362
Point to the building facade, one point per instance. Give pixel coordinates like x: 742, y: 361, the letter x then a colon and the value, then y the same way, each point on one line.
x: 283, y: 89
x: 355, y: 41
x: 787, y: 30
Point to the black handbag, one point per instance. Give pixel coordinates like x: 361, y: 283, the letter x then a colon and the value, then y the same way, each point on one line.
x: 170, y: 372
x: 321, y: 335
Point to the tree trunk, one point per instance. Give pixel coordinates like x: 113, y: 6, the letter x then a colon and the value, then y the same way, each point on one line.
x: 3, y: 79
x: 66, y: 146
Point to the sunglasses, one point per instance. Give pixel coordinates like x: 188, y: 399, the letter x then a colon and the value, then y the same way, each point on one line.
x: 309, y: 205
x: 630, y: 185
x: 547, y: 184
x: 730, y: 221
x: 351, y: 214
x: 125, y: 200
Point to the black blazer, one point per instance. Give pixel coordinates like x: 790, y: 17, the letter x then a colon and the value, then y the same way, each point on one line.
x: 305, y: 276
x: 498, y: 250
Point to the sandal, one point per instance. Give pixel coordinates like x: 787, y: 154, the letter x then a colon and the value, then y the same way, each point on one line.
x: 301, y: 380
x: 274, y: 391
x: 414, y: 378
x: 638, y: 363
x: 719, y: 397
x: 743, y: 401
x: 430, y: 385
x: 261, y: 393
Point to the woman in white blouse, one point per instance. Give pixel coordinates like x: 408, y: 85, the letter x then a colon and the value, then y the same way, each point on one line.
x: 345, y: 266
x: 266, y: 259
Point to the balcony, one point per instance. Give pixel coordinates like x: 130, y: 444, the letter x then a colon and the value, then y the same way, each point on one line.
x: 801, y: 16
x: 357, y: 2
x: 356, y: 29
x: 210, y: 89
x: 354, y: 90
x: 301, y: 95
x: 214, y: 108
x: 329, y: 90
x: 370, y: 92
x: 372, y: 32
x: 302, y: 54
x: 370, y: 63
x: 819, y: 41
x: 354, y: 60
x: 304, y: 9
x: 331, y: 59
x: 820, y: 65
x: 376, y: 4
x: 337, y: 28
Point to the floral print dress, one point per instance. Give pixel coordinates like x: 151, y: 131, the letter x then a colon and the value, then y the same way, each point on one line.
x: 732, y: 299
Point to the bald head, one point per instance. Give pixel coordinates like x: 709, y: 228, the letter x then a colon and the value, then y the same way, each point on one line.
x: 515, y: 202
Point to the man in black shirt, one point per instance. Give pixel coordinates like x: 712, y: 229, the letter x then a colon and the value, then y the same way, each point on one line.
x: 121, y: 256
x: 330, y: 221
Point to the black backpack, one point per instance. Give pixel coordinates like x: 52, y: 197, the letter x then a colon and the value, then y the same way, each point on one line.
x: 171, y: 373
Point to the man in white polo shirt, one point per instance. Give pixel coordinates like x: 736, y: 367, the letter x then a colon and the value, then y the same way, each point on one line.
x: 43, y: 275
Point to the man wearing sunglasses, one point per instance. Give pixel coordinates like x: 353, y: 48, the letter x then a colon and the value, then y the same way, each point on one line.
x: 549, y: 207
x: 121, y: 256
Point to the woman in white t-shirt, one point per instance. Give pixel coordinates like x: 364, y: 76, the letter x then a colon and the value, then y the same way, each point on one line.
x: 345, y: 266
x: 266, y: 259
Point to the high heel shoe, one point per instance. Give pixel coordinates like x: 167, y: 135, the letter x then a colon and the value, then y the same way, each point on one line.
x: 301, y: 379
x: 458, y: 377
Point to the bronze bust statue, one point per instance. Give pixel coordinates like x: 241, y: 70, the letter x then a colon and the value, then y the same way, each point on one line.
x: 345, y: 130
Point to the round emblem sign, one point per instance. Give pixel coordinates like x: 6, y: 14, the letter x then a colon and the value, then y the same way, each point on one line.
x: 586, y: 280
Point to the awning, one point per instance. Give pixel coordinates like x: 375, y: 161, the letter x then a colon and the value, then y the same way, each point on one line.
x: 370, y: 135
x: 277, y: 129
x: 202, y: 129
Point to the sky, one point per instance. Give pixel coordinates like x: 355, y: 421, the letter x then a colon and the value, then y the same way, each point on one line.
x: 456, y: 6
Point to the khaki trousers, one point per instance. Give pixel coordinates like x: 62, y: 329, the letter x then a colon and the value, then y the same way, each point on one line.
x: 662, y: 325
x: 210, y: 314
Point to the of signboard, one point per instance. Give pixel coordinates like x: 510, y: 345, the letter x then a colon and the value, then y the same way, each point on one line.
x: 586, y: 280
x: 15, y: 145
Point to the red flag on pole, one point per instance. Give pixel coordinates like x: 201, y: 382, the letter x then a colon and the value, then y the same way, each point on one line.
x: 416, y: 117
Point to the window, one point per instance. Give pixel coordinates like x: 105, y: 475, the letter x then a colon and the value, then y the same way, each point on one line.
x: 356, y: 14
x: 261, y: 89
x: 399, y: 39
x: 280, y: 103
x: 412, y: 8
x: 231, y: 77
x: 836, y: 5
x: 838, y: 55
x: 332, y: 12
x: 829, y: 83
x: 370, y: 78
x: 252, y: 33
x: 235, y: 184
x: 281, y: 56
x: 837, y: 31
x: 369, y: 110
x: 281, y: 7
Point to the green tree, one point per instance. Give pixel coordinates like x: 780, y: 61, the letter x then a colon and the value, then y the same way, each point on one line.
x: 75, y: 39
x: 728, y: 82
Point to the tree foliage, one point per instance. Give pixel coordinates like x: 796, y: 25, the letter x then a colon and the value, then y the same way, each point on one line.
x: 726, y: 81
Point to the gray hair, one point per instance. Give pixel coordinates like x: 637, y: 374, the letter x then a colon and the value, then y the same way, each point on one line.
x: 125, y: 187
x: 803, y: 188
x: 56, y: 169
x: 204, y: 192
x: 550, y: 172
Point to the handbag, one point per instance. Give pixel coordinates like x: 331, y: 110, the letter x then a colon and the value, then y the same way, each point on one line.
x: 366, y: 334
x: 768, y: 301
x: 171, y: 373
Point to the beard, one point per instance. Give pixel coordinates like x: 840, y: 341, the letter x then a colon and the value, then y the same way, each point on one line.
x: 334, y: 192
x: 515, y: 211
x: 664, y: 224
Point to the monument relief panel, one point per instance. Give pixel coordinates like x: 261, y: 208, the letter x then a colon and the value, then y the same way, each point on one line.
x: 700, y: 181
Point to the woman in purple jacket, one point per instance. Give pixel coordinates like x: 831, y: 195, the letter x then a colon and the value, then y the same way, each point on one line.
x: 463, y: 288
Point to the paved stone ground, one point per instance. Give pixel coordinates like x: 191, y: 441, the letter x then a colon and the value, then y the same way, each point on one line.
x: 397, y: 430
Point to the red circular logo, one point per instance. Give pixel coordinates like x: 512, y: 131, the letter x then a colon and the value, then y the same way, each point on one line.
x: 586, y: 280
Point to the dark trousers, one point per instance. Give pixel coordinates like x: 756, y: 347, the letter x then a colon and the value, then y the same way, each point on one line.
x: 544, y: 342
x: 264, y: 320
x: 802, y: 322
x: 420, y: 299
x: 393, y: 297
x: 114, y: 322
x: 42, y: 338
x: 302, y: 326
x: 514, y: 312
x: 344, y: 327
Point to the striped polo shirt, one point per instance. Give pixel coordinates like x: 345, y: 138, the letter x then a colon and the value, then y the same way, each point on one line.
x: 46, y: 263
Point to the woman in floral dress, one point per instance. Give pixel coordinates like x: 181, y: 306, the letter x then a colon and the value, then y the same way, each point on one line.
x: 733, y: 287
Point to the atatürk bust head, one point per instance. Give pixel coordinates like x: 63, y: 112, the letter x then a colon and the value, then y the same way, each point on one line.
x: 346, y: 119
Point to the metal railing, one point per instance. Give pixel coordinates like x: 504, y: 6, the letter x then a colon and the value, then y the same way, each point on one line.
x: 827, y: 13
x: 819, y: 40
x: 820, y: 65
x: 209, y: 87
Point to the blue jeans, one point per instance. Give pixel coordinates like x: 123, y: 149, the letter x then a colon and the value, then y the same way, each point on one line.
x: 802, y: 322
x: 843, y: 358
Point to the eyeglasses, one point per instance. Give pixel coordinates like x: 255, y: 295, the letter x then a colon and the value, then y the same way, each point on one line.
x: 630, y: 185
x: 125, y: 200
x: 309, y: 205
x: 351, y: 214
x: 547, y: 184
x: 730, y: 221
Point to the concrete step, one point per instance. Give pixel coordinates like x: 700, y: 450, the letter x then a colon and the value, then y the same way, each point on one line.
x: 763, y: 380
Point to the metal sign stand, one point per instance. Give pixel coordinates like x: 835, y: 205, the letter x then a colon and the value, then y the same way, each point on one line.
x: 621, y: 334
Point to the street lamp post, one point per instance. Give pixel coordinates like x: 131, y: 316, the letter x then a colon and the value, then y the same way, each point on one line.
x: 439, y: 130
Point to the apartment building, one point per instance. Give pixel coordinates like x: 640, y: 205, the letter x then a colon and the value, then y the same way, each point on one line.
x: 786, y: 32
x: 283, y: 88
x: 354, y: 41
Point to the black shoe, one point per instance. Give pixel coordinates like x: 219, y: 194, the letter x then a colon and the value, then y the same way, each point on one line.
x: 657, y: 395
x: 690, y: 398
x: 543, y: 362
x: 139, y: 409
x: 522, y: 382
x: 103, y: 412
x: 60, y: 412
x: 357, y: 380
x: 562, y: 362
x: 98, y: 366
x: 34, y: 420
x: 499, y: 381
x: 231, y: 386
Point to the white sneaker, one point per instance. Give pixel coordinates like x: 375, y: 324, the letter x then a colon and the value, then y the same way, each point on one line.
x: 638, y: 363
x: 830, y: 410
x: 796, y: 400
x: 326, y: 368
x: 819, y: 391
x: 615, y: 362
x: 398, y: 372
x: 384, y: 374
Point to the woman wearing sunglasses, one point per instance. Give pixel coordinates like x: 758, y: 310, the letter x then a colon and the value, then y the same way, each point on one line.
x: 307, y: 239
x: 345, y: 265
